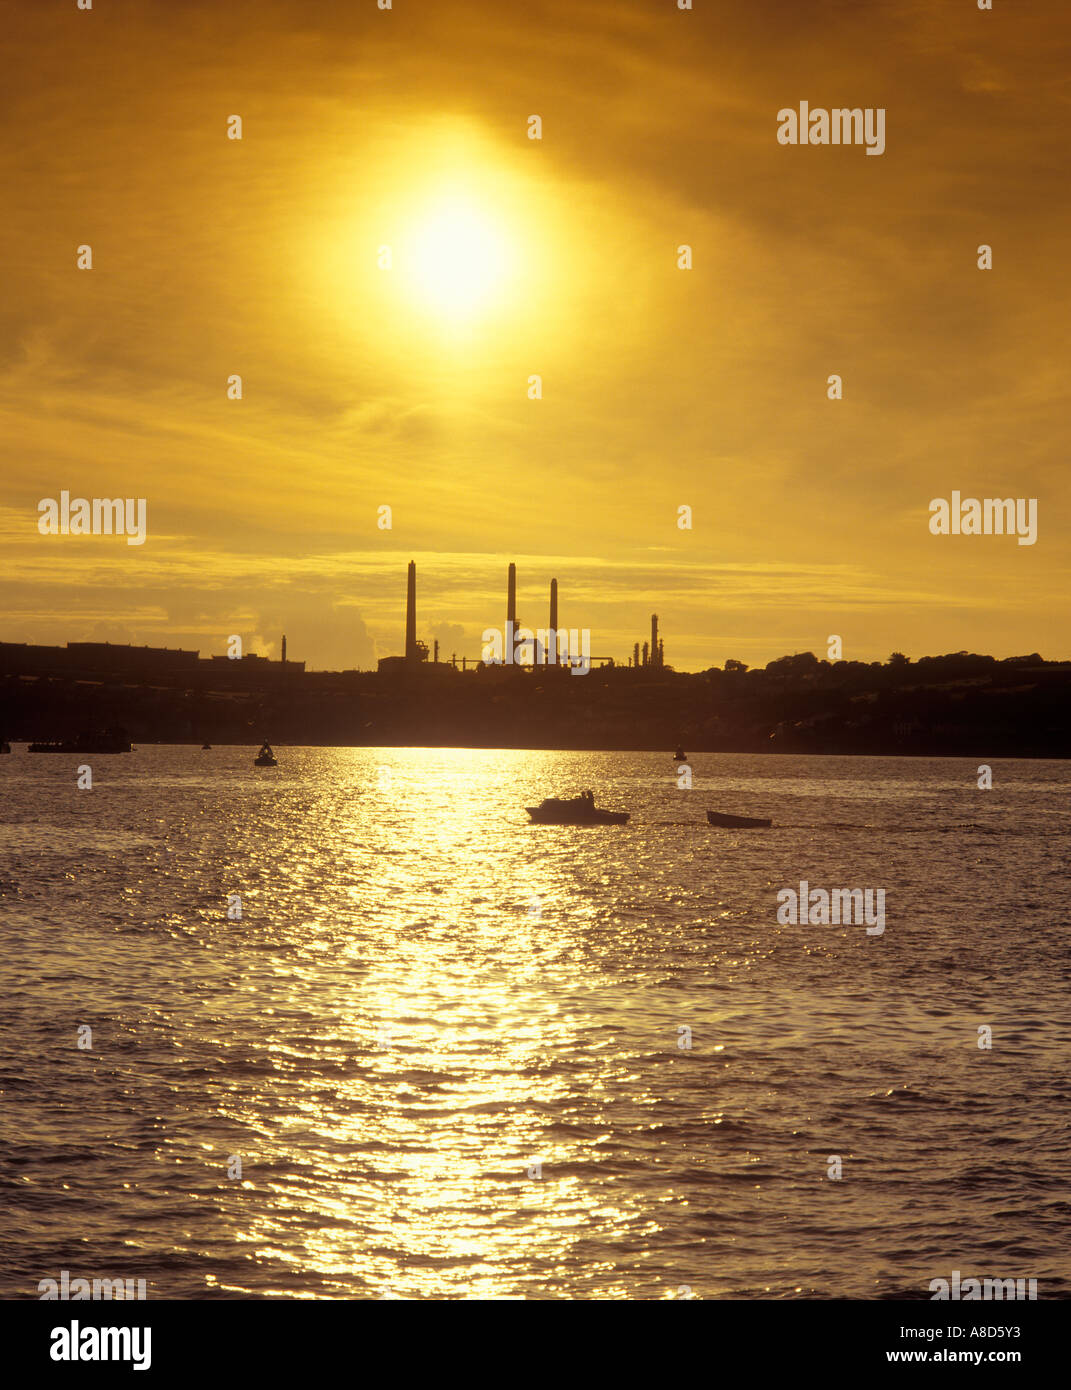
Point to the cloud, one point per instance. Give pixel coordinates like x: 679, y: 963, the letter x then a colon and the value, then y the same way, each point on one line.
x: 661, y: 387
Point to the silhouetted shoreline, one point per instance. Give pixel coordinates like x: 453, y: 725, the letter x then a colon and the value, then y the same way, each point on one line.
x: 960, y: 705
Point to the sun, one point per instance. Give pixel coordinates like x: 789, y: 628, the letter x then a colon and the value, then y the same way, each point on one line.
x: 457, y: 258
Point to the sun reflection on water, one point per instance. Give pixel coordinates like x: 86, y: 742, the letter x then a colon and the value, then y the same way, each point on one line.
x: 447, y: 1046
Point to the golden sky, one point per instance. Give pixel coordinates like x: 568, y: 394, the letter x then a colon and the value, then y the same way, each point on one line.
x: 408, y: 386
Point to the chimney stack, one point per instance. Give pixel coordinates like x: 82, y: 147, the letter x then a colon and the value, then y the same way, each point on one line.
x: 284, y: 648
x: 509, y: 644
x: 552, y: 635
x: 654, y: 639
x: 410, y: 615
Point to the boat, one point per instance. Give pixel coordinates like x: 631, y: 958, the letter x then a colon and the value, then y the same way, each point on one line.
x: 204, y: 746
x: 265, y: 758
x: 5, y: 747
x: 574, y: 810
x: 681, y: 756
x: 110, y: 741
x: 737, y: 822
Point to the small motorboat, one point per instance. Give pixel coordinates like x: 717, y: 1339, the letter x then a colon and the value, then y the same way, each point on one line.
x: 737, y: 822
x: 265, y: 758
x: 681, y: 756
x: 574, y: 810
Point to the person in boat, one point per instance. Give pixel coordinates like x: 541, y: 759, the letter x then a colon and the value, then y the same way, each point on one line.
x: 265, y: 751
x: 589, y: 797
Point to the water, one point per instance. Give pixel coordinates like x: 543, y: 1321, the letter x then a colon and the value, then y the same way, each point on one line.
x: 425, y: 998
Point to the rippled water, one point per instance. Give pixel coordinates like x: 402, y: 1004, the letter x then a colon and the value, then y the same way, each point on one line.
x: 425, y: 997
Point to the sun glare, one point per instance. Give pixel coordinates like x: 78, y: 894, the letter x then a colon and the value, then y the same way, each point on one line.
x: 457, y: 259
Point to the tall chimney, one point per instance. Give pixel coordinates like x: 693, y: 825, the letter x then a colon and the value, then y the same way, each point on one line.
x: 435, y: 658
x: 654, y: 639
x: 636, y: 655
x: 410, y: 615
x: 552, y: 635
x: 284, y: 648
x: 511, y: 596
x: 645, y: 653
